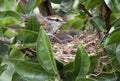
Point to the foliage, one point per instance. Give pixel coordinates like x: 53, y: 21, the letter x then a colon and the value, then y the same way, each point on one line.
x: 16, y: 65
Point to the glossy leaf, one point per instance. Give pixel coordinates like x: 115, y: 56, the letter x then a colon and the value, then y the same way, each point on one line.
x: 10, y: 33
x: 113, y: 5
x: 68, y: 67
x: 56, y: 1
x: 111, y: 49
x: 7, y: 74
x: 106, y: 77
x: 3, y: 68
x: 118, y: 79
x: 33, y: 24
x: 16, y: 77
x: 116, y: 64
x: 83, y: 58
x: 0, y: 60
x: 117, y: 23
x: 31, y: 4
x: 81, y: 65
x: 4, y: 49
x: 2, y: 6
x: 93, y: 3
x: 113, y: 37
x: 81, y: 1
x: 30, y: 71
x: 76, y: 23
x: 59, y: 64
x: 7, y: 4
x: 94, y: 61
x: 65, y: 7
x: 16, y: 54
x: 10, y: 4
x: 45, y: 53
x: 76, y: 4
x: 20, y: 9
x: 1, y: 33
x: 10, y: 18
x: 118, y: 53
x: 84, y: 79
x: 27, y: 36
x: 98, y: 23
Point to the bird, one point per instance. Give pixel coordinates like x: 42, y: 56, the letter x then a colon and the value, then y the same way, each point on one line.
x: 51, y: 23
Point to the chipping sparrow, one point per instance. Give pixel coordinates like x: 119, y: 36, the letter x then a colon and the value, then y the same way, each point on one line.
x: 51, y: 23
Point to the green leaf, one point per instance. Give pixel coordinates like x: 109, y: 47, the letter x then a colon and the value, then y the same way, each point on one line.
x: 45, y: 53
x: 10, y: 33
x: 69, y: 66
x: 27, y: 36
x: 4, y: 49
x: 7, y: 74
x: 7, y: 4
x: 33, y: 24
x: 118, y: 53
x: 3, y: 68
x: 76, y: 23
x: 98, y: 23
x: 111, y: 49
x: 113, y: 37
x: 0, y: 60
x: 2, y: 6
x: 81, y: 1
x: 20, y: 9
x: 10, y: 18
x: 30, y: 71
x: 93, y: 3
x: 10, y: 4
x: 113, y: 5
x: 116, y: 64
x: 118, y: 79
x: 117, y: 22
x: 56, y: 1
x: 1, y: 33
x: 16, y: 77
x: 16, y: 54
x: 82, y: 61
x: 31, y: 4
x: 94, y: 61
x: 84, y: 79
x: 81, y: 65
x: 106, y: 77
x: 82, y: 15
x: 59, y: 64
x: 76, y: 4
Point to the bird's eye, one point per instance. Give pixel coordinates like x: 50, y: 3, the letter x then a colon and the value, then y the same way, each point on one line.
x: 57, y: 20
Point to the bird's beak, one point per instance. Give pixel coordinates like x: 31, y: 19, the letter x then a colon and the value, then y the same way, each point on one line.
x: 64, y: 22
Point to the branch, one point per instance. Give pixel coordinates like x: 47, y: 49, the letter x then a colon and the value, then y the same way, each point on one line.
x: 85, y: 22
x: 23, y: 3
x: 45, y: 8
x: 5, y: 42
x: 85, y: 10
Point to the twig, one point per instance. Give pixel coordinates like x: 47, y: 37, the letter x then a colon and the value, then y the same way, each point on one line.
x: 85, y: 22
x: 5, y: 42
x: 85, y: 10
